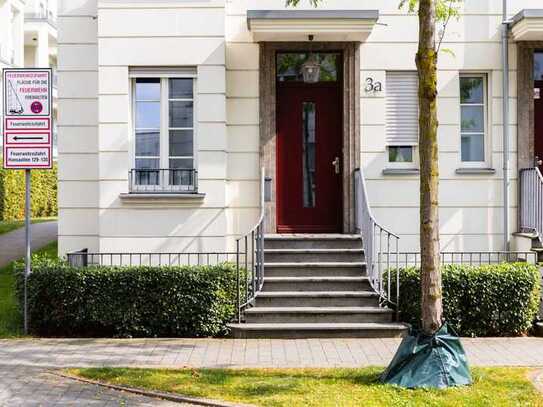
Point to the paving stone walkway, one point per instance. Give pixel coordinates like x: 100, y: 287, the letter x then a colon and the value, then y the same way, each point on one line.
x: 25, y: 363
x: 12, y: 244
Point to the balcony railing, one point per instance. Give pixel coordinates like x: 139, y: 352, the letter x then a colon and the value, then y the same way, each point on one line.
x: 163, y: 181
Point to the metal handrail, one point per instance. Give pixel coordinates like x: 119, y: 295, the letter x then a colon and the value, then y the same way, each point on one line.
x: 471, y: 258
x: 531, y: 201
x: 163, y: 180
x: 250, y: 259
x: 378, y: 242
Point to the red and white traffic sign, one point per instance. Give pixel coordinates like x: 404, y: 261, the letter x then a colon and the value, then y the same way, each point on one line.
x: 27, y: 127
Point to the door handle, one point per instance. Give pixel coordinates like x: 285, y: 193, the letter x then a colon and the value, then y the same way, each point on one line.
x: 336, y: 164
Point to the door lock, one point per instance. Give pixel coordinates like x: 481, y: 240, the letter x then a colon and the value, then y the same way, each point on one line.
x: 336, y: 164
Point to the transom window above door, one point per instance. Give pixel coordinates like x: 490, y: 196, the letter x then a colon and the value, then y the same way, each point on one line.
x: 163, y: 123
x: 308, y: 67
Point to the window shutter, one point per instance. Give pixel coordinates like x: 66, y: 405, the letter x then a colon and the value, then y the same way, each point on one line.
x: 402, y: 108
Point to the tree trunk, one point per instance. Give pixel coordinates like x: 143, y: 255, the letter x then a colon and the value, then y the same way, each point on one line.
x: 432, y: 308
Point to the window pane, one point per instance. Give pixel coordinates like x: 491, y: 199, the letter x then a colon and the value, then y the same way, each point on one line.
x: 145, y: 174
x: 181, y: 172
x: 289, y: 66
x: 473, y: 147
x: 471, y: 90
x: 400, y: 154
x: 181, y: 114
x: 147, y: 143
x: 180, y: 88
x: 148, y: 115
x: 473, y: 118
x: 308, y: 158
x: 147, y: 89
x: 147, y: 163
x: 181, y: 143
x: 538, y: 66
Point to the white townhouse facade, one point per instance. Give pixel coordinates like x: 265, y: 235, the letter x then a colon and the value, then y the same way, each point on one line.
x: 28, y: 38
x: 169, y: 109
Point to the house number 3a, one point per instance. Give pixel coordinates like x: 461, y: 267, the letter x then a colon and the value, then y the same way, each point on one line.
x: 373, y: 86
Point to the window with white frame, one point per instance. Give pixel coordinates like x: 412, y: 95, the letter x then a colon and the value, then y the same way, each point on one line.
x: 164, y: 134
x: 402, y: 117
x: 473, y: 119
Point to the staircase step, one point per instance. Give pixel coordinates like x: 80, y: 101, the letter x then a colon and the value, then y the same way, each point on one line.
x: 311, y: 269
x: 312, y: 241
x: 316, y: 284
x: 320, y: 330
x: 317, y: 299
x: 313, y: 255
x: 318, y: 314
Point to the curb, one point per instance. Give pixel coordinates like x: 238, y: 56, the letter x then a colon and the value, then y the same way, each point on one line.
x: 177, y: 398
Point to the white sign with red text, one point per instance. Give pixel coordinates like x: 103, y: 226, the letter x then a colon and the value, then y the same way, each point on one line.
x: 27, y: 119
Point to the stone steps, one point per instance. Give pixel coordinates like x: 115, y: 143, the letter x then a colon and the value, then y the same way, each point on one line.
x: 332, y: 241
x: 315, y: 286
x: 317, y: 299
x: 313, y: 255
x: 316, y: 283
x: 317, y: 314
x: 312, y: 269
x: 323, y: 330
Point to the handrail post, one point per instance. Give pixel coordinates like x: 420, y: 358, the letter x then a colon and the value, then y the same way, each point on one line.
x: 238, y: 282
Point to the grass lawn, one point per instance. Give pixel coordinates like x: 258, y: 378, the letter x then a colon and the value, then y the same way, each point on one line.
x: 9, y: 225
x: 10, y: 317
x: 323, y: 387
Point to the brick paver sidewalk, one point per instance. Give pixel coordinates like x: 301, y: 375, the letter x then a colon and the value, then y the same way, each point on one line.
x: 24, y: 363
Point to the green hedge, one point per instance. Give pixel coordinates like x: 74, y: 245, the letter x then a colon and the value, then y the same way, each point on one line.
x: 491, y: 300
x: 12, y: 193
x: 130, y: 301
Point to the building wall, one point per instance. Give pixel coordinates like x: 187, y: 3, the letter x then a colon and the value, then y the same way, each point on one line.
x: 78, y: 126
x: 99, y: 41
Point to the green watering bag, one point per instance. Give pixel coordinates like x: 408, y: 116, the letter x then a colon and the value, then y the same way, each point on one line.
x: 436, y: 361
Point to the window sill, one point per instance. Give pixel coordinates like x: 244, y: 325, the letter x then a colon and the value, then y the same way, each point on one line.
x: 145, y: 198
x: 401, y: 171
x: 475, y: 171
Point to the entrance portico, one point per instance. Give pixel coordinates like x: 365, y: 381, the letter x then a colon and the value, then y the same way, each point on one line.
x: 337, y: 120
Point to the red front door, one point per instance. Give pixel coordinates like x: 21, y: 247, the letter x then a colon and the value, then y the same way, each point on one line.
x: 309, y: 155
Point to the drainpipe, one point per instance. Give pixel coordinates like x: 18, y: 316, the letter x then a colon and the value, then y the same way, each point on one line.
x: 506, y: 195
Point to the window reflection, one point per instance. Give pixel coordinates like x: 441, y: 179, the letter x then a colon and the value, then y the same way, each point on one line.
x: 289, y: 66
x: 308, y: 147
x: 538, y: 66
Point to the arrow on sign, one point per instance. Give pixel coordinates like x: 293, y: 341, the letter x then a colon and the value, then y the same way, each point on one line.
x: 27, y: 138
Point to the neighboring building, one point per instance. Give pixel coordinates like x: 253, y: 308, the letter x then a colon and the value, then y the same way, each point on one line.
x: 28, y: 38
x: 168, y: 110
x: 11, y: 35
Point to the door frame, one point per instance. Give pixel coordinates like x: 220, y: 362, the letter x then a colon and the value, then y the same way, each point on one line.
x: 350, y: 89
x: 525, y: 104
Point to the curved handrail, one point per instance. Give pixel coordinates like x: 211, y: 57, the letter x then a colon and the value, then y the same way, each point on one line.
x: 250, y: 258
x: 378, y: 242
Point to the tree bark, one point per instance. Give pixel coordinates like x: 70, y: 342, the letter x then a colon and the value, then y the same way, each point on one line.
x: 432, y: 308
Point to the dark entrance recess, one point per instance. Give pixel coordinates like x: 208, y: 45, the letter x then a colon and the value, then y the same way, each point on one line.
x: 309, y: 142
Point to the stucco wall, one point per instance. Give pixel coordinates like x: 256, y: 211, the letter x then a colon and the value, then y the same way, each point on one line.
x: 99, y: 42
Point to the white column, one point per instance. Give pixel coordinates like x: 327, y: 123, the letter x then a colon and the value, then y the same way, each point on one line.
x: 42, y: 50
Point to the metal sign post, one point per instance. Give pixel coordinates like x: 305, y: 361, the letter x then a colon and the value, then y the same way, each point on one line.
x: 28, y: 136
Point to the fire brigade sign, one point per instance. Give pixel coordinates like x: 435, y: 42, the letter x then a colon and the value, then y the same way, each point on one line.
x: 27, y: 119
